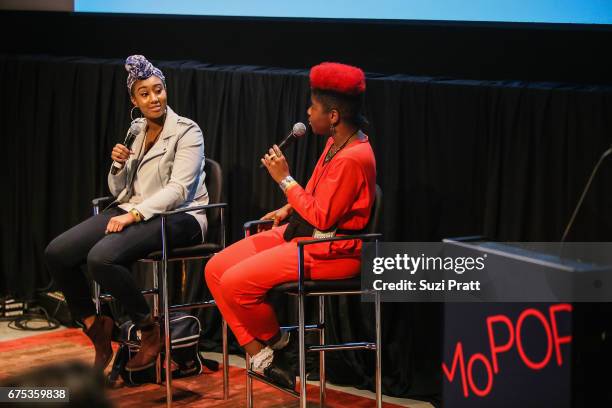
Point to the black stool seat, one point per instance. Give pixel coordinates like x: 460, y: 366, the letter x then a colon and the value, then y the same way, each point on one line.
x: 339, y: 285
x: 200, y: 250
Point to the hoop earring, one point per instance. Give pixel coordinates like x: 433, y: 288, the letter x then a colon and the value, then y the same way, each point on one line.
x: 132, y: 113
x: 332, y: 130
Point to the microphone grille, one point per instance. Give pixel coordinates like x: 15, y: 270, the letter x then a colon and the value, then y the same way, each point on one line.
x: 299, y: 129
x: 135, y: 129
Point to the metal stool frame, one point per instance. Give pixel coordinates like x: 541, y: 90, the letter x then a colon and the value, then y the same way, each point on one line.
x: 165, y: 307
x: 319, y: 327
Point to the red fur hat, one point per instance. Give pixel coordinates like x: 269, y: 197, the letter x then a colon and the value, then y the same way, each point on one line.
x: 332, y: 76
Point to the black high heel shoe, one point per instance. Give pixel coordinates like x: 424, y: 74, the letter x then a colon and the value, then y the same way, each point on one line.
x: 291, y: 357
x: 280, y: 371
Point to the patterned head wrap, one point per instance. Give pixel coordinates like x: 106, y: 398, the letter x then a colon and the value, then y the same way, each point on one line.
x: 138, y: 67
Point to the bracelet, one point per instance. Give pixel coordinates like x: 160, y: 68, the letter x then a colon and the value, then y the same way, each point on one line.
x: 137, y: 216
x: 286, y: 182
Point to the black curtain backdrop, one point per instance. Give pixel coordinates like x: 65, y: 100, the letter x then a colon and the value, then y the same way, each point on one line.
x: 503, y: 159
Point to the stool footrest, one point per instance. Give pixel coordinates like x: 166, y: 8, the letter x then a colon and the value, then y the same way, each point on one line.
x: 195, y: 305
x: 330, y: 293
x: 308, y: 327
x: 344, y: 346
x: 105, y: 297
x: 264, y: 379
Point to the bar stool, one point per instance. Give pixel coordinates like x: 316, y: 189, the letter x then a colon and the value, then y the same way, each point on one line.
x: 322, y: 288
x: 216, y: 228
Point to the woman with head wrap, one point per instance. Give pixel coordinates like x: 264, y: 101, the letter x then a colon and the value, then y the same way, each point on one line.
x: 164, y: 170
x: 337, y: 200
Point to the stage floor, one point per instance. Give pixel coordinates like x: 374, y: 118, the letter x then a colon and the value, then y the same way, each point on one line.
x: 21, y: 351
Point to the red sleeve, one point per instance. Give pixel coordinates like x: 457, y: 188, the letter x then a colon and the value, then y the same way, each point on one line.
x: 334, y: 196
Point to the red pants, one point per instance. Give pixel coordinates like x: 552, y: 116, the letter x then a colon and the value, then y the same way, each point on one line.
x: 240, y: 276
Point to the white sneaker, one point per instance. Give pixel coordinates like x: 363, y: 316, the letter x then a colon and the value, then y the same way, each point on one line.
x: 262, y: 360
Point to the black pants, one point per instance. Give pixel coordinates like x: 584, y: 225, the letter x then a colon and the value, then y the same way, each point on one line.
x: 108, y: 258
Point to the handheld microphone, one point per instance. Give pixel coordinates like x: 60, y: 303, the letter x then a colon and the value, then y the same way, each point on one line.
x: 132, y: 132
x: 299, y: 130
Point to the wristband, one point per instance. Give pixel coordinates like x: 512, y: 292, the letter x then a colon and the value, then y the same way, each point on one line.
x: 286, y: 183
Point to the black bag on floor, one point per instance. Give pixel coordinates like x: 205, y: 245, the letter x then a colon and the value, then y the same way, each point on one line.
x: 184, y: 336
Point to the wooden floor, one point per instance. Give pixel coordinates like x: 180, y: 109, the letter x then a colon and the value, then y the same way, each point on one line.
x: 205, y: 390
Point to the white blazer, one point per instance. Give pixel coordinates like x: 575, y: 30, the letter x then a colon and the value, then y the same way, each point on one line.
x: 170, y: 175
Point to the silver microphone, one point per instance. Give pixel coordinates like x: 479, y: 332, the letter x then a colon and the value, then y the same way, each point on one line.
x: 299, y: 130
x: 132, y: 132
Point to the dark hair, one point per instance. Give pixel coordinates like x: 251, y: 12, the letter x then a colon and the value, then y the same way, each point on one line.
x: 349, y: 106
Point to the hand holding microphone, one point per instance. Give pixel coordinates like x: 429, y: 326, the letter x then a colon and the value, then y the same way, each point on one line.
x: 299, y: 130
x: 276, y: 164
x: 121, y: 152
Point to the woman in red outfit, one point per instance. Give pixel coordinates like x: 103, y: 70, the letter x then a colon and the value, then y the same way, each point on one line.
x: 337, y: 200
